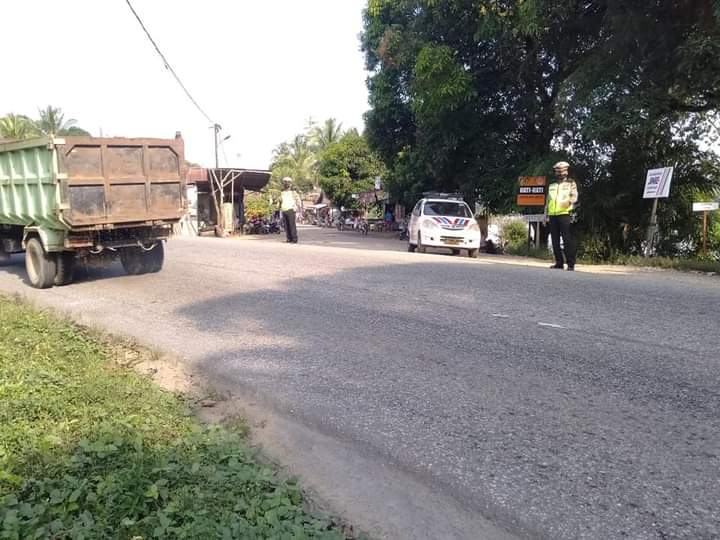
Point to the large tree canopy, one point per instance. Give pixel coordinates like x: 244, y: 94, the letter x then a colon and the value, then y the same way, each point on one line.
x: 469, y: 94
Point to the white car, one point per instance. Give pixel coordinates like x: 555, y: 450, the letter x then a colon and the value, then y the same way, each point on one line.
x: 443, y: 223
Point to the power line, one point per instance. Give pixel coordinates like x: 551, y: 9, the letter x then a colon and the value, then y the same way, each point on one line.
x: 167, y: 64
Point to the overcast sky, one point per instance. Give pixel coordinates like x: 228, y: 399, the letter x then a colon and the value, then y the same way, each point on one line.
x: 260, y: 68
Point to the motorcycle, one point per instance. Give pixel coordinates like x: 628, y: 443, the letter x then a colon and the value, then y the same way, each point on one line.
x: 404, y: 230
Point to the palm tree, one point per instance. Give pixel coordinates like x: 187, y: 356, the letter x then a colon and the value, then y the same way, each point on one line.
x: 296, y: 159
x: 324, y: 135
x: 17, y: 126
x: 52, y: 121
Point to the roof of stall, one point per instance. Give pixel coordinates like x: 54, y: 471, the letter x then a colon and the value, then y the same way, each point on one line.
x: 251, y: 179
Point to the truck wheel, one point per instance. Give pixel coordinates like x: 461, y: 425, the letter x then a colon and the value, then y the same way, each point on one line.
x: 65, y: 268
x: 40, y: 265
x: 4, y: 257
x: 153, y: 260
x: 472, y: 253
x: 131, y: 260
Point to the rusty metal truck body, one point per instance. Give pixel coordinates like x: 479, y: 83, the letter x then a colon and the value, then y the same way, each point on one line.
x: 68, y: 198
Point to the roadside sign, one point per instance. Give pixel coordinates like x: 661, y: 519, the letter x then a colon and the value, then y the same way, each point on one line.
x: 532, y: 191
x: 657, y: 183
x: 378, y: 183
x: 534, y: 218
x: 705, y: 206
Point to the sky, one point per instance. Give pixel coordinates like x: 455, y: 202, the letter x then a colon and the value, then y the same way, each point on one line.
x: 260, y: 69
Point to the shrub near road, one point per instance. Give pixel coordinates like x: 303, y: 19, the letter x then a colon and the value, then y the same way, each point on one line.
x: 89, y: 449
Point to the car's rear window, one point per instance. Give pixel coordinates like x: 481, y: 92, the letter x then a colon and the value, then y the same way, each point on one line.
x: 442, y: 208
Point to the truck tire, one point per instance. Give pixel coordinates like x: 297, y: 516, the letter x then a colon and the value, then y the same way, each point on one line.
x: 65, y: 268
x: 39, y: 264
x: 131, y: 260
x: 4, y: 257
x: 153, y: 260
x: 473, y: 253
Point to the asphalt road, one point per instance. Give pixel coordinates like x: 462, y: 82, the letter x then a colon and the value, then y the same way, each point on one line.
x: 548, y: 404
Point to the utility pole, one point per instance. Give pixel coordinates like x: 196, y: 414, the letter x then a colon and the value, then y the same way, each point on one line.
x: 652, y: 229
x: 216, y: 132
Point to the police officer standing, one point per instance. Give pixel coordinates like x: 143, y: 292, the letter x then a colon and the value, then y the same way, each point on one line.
x: 561, y: 200
x: 290, y: 205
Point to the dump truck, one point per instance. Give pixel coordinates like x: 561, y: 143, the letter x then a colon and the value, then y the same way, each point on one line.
x: 64, y: 200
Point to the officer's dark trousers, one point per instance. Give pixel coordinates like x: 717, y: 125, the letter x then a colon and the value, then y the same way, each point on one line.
x: 290, y: 226
x: 560, y: 227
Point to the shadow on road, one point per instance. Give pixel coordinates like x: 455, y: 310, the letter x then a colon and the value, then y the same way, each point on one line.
x: 83, y: 273
x: 537, y: 428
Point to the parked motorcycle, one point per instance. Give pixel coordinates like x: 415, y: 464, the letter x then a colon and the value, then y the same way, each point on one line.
x: 404, y: 230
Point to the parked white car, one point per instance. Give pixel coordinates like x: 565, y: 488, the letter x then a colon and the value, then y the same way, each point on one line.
x: 443, y: 223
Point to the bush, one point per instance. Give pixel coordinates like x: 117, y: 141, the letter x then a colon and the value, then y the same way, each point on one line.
x: 594, y: 248
x: 514, y: 234
x: 257, y: 207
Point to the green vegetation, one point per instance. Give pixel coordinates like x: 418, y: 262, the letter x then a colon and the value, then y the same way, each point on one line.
x: 695, y: 264
x: 467, y: 96
x: 296, y: 159
x: 51, y: 120
x: 89, y: 449
x: 515, y: 235
x: 348, y: 166
x: 326, y: 157
x: 258, y: 206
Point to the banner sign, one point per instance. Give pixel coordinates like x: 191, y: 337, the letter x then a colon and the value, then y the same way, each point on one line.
x: 705, y: 206
x: 657, y: 183
x: 532, y: 191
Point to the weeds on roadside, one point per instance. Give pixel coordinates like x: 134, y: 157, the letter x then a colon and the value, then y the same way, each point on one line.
x: 89, y: 449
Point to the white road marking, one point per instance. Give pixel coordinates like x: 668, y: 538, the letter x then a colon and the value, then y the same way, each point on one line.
x: 550, y: 325
x: 500, y: 315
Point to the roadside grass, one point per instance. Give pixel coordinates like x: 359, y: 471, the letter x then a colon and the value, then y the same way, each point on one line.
x: 91, y: 449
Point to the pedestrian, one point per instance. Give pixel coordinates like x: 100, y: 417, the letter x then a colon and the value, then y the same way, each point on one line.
x: 290, y: 205
x: 561, y: 200
x: 388, y: 219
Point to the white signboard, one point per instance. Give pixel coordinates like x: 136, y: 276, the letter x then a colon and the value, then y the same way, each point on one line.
x: 705, y: 206
x: 378, y: 183
x: 657, y: 183
x: 534, y: 218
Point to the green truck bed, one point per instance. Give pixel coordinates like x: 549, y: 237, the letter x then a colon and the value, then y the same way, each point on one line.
x: 80, y: 195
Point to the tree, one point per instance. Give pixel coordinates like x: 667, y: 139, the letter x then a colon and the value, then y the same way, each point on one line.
x: 296, y: 159
x: 52, y: 122
x: 326, y: 134
x: 469, y: 94
x: 17, y: 126
x: 348, y: 166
